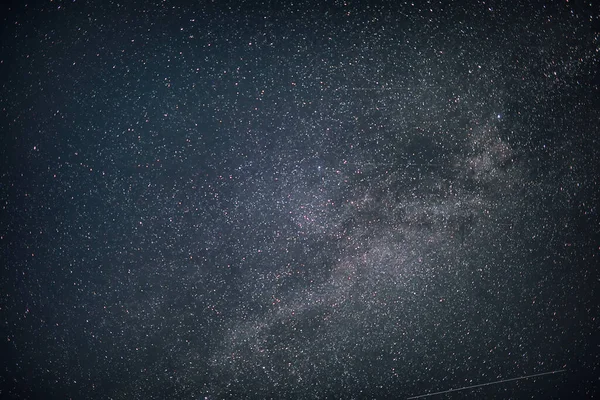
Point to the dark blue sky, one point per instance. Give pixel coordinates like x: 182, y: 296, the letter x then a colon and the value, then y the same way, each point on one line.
x: 299, y: 200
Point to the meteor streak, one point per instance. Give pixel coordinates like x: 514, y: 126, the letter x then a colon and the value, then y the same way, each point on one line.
x: 558, y: 371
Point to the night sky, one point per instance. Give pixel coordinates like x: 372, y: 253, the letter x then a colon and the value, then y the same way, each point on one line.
x: 289, y: 199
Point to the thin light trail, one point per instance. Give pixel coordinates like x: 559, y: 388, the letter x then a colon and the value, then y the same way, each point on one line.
x: 558, y: 371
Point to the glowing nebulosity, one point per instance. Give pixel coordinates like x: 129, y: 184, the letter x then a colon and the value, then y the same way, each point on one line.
x: 283, y: 200
x: 389, y: 234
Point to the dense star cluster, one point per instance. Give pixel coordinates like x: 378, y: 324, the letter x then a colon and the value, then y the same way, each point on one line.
x: 299, y: 200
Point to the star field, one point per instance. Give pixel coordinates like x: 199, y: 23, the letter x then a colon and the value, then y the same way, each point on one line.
x: 298, y: 200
